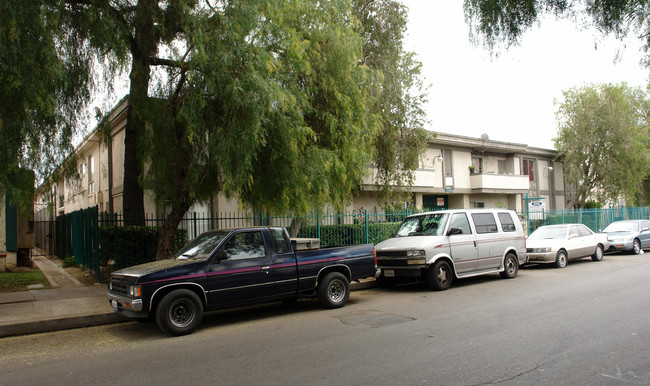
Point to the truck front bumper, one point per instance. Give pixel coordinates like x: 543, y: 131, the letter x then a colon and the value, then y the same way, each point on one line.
x: 127, y: 306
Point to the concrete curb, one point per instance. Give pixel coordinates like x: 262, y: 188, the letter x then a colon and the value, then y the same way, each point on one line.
x: 58, y: 324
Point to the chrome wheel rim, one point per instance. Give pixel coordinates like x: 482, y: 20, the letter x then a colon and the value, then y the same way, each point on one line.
x: 442, y: 275
x: 336, y: 291
x: 510, y: 266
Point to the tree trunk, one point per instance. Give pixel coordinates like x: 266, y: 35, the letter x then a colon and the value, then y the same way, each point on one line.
x: 143, y: 47
x: 166, y: 233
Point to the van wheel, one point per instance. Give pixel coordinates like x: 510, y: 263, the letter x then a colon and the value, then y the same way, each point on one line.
x: 440, y: 276
x: 334, y: 290
x: 561, y: 259
x: 180, y: 312
x: 510, y: 266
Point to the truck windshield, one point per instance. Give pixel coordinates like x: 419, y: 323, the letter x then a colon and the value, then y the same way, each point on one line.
x: 425, y: 225
x: 202, y: 246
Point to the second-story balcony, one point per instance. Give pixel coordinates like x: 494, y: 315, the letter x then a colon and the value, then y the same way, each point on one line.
x: 499, y: 183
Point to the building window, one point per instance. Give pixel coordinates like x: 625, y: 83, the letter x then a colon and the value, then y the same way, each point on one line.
x: 91, y: 174
x: 528, y: 169
x: 502, y: 166
x: 477, y: 204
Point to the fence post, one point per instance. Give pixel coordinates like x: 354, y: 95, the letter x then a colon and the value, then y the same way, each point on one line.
x: 365, y: 220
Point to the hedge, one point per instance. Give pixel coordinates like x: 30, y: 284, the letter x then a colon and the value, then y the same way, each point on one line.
x: 132, y: 245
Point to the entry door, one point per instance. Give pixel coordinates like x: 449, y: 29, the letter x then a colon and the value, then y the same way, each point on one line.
x: 241, y: 271
x: 463, y: 246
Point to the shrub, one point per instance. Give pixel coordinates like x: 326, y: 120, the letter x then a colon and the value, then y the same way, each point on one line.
x: 127, y: 246
x: 68, y: 262
x: 349, y: 234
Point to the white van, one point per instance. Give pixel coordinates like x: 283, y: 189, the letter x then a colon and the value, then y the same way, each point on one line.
x: 438, y: 246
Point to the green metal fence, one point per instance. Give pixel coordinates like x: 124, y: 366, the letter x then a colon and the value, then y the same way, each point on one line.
x: 100, y: 243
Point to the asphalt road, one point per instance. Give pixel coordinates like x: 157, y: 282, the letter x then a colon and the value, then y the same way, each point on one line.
x: 588, y: 323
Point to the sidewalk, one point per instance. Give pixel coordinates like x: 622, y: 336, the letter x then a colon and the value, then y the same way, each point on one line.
x: 67, y: 305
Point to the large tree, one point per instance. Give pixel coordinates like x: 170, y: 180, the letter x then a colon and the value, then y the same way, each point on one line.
x: 601, y: 140
x: 44, y: 82
x: 274, y: 102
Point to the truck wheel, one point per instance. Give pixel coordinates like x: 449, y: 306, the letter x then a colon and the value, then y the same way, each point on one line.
x: 180, y: 312
x: 334, y: 290
x: 439, y: 277
x: 510, y: 266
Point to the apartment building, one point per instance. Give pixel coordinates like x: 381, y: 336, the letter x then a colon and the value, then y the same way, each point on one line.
x: 464, y: 172
x: 454, y: 172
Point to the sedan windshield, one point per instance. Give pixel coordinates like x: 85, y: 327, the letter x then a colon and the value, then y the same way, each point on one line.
x: 424, y: 225
x: 544, y: 233
x: 202, y: 246
x: 622, y: 227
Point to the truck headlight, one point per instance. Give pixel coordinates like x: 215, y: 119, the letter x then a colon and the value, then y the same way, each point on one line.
x: 416, y: 253
x: 135, y: 291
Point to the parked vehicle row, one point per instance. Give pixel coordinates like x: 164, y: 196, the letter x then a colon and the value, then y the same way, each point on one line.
x: 235, y: 267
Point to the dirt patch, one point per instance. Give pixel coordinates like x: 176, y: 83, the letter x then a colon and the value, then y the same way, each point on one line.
x: 86, y: 278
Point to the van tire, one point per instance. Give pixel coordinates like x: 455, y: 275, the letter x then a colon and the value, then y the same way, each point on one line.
x: 440, y: 276
x: 510, y: 266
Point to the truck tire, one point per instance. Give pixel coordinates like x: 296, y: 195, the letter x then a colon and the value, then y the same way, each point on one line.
x: 180, y: 312
x: 333, y: 290
x: 440, y: 276
x: 510, y: 266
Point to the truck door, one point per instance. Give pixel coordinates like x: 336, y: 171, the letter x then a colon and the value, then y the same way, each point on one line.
x: 463, y: 245
x: 240, y: 271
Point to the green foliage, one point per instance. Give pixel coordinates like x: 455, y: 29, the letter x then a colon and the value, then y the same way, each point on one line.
x: 44, y: 83
x: 68, y: 262
x: 132, y: 245
x: 593, y: 205
x: 602, y: 141
x: 349, y: 234
x: 499, y: 21
x: 398, y: 103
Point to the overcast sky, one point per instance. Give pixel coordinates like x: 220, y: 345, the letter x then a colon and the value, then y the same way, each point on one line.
x: 510, y: 98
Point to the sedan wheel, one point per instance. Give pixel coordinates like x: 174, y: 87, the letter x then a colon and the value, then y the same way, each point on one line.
x: 636, y: 248
x: 561, y: 259
x: 598, y: 255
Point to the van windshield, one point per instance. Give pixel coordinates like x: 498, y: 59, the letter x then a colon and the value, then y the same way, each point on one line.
x: 432, y: 224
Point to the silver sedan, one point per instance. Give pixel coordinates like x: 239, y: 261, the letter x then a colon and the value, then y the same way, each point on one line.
x: 558, y: 244
x: 629, y: 235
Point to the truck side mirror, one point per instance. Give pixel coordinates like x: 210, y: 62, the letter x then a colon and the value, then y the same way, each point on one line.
x: 221, y: 255
x: 454, y: 231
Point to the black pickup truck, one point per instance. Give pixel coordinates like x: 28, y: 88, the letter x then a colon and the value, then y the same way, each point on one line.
x: 235, y: 267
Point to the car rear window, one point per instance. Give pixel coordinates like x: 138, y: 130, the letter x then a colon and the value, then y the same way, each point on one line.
x: 507, y: 224
x: 484, y: 222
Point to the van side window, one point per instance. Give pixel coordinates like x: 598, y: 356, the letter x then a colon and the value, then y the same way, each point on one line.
x: 506, y: 222
x: 484, y: 223
x: 459, y: 220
